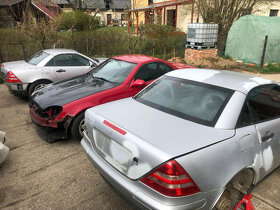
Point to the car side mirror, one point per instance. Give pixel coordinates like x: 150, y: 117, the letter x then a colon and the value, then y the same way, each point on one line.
x: 138, y: 83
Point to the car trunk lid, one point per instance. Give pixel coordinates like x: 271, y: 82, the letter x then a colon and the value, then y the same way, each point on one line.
x: 139, y: 138
x: 14, y: 66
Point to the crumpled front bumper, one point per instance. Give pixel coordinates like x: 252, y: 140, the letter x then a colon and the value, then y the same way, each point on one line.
x: 50, y: 134
x: 51, y: 130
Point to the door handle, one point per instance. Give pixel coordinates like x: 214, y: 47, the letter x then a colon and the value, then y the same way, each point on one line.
x: 61, y: 70
x: 268, y: 135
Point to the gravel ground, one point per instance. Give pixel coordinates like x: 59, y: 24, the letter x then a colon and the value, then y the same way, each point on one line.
x: 38, y: 175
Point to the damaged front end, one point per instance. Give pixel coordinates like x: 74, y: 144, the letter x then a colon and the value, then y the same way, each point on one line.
x: 48, y: 127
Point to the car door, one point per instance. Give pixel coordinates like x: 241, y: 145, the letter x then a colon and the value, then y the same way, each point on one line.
x: 65, y: 66
x: 148, y: 72
x: 264, y: 104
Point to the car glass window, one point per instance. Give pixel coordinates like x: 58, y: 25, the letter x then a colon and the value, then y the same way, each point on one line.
x: 50, y: 63
x: 151, y: 71
x: 245, y: 117
x: 264, y: 102
x: 78, y: 60
x: 114, y: 70
x: 37, y: 58
x: 169, y: 68
x: 63, y: 60
x: 195, y: 101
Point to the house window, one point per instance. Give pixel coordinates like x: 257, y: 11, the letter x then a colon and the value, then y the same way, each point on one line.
x: 273, y: 12
x: 107, y: 4
x: 109, y: 19
x: 150, y: 2
x: 171, y: 17
x: 123, y: 16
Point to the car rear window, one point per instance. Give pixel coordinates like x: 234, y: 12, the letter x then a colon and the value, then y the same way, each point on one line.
x: 37, y: 58
x: 198, y: 102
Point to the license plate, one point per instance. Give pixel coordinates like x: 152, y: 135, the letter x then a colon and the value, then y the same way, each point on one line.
x: 113, y: 152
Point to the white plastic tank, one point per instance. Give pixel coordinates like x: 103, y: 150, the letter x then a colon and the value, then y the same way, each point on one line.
x: 202, y: 35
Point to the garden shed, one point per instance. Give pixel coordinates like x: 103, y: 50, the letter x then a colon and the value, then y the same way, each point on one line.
x: 246, y: 39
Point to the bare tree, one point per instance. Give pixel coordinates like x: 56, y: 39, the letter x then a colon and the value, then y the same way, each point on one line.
x: 224, y: 13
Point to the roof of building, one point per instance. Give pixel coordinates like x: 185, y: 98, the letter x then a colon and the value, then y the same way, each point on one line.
x: 9, y: 2
x: 228, y: 79
x: 100, y: 4
x: 60, y: 1
x: 163, y: 4
x: 49, y: 3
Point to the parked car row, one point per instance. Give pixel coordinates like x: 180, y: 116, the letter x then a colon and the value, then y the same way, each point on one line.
x: 184, y: 139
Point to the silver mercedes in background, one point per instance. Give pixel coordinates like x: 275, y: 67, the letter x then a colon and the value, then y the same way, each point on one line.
x: 47, y: 66
x: 193, y: 139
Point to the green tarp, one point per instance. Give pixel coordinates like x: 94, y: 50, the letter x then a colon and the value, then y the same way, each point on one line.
x: 246, y: 37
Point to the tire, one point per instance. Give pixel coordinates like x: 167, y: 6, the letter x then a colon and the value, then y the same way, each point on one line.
x: 37, y: 85
x: 78, y: 126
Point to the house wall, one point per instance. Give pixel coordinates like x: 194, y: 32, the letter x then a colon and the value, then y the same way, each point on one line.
x: 141, y: 15
x: 115, y: 15
x: 183, y: 13
x: 264, y: 8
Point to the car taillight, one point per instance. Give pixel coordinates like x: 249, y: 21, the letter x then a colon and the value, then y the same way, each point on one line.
x: 171, y: 179
x: 10, y: 77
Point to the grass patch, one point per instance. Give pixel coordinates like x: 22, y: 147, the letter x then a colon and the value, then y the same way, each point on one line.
x: 271, y: 69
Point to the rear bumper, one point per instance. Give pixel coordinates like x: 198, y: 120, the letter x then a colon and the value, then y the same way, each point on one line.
x: 141, y: 195
x: 18, y: 89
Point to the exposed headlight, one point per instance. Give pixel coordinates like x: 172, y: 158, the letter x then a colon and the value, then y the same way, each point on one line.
x: 51, y: 112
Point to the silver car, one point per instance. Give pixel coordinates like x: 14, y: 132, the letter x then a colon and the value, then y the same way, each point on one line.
x: 193, y: 139
x: 52, y: 65
x: 4, y: 150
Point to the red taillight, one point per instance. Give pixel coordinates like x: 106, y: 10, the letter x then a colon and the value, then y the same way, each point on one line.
x: 172, y: 180
x: 10, y: 77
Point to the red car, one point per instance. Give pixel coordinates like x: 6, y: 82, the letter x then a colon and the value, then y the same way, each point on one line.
x: 58, y: 109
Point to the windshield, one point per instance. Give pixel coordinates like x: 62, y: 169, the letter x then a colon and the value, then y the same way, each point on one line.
x: 37, y: 58
x: 194, y: 101
x: 113, y: 70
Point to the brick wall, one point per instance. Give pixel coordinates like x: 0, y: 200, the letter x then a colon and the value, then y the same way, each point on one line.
x: 193, y: 55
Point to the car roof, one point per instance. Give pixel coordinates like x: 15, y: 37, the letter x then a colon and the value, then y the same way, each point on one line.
x: 227, y: 79
x: 59, y: 51
x: 136, y: 58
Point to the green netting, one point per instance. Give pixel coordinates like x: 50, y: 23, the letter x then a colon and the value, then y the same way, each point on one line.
x: 246, y: 37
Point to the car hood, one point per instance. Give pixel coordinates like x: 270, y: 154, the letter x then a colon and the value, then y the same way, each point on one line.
x: 151, y: 135
x: 17, y: 65
x: 61, y: 93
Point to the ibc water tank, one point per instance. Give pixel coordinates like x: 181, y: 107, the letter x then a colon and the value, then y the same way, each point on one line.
x: 202, y: 35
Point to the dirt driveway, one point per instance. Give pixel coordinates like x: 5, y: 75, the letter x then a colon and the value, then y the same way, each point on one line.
x: 38, y: 175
